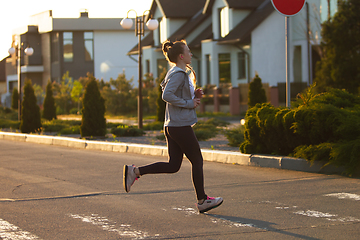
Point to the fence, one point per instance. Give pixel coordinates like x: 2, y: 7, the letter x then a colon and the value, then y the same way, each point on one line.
x: 234, y: 100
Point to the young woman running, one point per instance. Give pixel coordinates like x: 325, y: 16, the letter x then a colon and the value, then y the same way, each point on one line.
x: 181, y: 100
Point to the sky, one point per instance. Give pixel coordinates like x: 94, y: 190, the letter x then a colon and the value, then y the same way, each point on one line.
x: 15, y: 14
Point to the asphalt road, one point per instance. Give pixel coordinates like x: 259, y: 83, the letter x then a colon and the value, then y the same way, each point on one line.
x: 51, y: 192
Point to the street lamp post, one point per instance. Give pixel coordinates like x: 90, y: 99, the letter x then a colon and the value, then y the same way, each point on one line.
x: 28, y: 51
x: 152, y: 24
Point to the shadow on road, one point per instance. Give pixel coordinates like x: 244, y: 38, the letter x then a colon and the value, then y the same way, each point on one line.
x: 263, y: 225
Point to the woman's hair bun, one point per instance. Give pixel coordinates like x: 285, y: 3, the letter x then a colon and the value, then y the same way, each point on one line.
x: 167, y: 45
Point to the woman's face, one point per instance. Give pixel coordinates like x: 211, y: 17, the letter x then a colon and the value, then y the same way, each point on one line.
x: 186, y: 56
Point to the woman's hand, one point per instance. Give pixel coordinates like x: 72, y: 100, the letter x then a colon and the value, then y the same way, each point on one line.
x: 199, y: 93
x: 196, y: 102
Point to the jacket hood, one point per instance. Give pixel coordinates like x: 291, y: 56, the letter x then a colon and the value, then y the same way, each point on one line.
x: 169, y: 74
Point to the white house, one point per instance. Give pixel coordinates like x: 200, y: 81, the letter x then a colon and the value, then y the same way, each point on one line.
x: 232, y: 40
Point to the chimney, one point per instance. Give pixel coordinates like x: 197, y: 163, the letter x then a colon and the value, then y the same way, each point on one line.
x: 84, y: 14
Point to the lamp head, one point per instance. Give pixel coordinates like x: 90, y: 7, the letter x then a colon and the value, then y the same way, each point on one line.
x: 11, y: 51
x: 126, y: 23
x: 29, y: 51
x: 152, y: 24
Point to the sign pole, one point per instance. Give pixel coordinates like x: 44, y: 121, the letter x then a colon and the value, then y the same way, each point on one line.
x: 288, y: 9
x: 287, y: 46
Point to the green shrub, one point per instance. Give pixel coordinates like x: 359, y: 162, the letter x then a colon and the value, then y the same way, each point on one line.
x: 30, y: 111
x: 49, y: 111
x: 322, y: 127
x: 161, y: 105
x: 256, y: 92
x: 70, y: 130
x: 93, y: 121
x: 7, y: 123
x: 161, y: 137
x: 154, y: 126
x: 15, y: 99
x: 113, y: 125
x: 127, y: 131
x: 205, y: 131
x: 235, y: 136
x: 203, y: 134
x: 74, y: 111
x: 51, y: 126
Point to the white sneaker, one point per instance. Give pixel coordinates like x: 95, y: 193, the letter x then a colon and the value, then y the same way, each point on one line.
x: 129, y: 177
x: 209, y: 204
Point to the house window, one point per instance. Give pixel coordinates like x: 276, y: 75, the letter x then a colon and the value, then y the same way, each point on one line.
x: 162, y: 66
x: 55, y: 47
x: 219, y: 22
x: 224, y: 68
x: 224, y: 21
x: 89, y: 46
x: 241, y: 65
x: 68, y: 46
x: 208, y: 72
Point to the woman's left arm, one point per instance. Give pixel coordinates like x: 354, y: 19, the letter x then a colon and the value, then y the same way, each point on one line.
x: 171, y: 87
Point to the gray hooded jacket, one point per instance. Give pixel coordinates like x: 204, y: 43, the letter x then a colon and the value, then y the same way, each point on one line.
x: 180, y: 109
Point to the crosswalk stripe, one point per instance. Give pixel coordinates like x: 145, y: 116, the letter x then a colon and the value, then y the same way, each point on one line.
x: 344, y: 196
x: 9, y: 231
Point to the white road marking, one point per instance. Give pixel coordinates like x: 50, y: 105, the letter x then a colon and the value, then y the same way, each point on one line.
x: 124, y: 230
x: 344, y: 196
x: 327, y: 216
x: 9, y: 231
x: 186, y: 210
x: 215, y: 219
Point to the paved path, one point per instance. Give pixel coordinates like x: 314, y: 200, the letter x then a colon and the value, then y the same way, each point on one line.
x: 55, y: 192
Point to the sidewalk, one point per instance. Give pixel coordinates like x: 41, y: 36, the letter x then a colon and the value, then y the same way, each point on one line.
x: 230, y: 157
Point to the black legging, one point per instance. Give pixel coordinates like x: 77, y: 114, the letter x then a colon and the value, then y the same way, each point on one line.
x: 181, y: 140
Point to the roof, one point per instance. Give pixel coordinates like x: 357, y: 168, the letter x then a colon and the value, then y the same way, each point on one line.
x: 206, y: 34
x: 241, y: 34
x: 189, y: 26
x: 236, y: 4
x: 175, y: 10
x: 148, y: 40
x: 178, y: 9
x: 244, y: 4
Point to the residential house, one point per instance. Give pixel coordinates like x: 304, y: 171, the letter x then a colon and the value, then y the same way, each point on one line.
x: 75, y: 45
x: 233, y: 40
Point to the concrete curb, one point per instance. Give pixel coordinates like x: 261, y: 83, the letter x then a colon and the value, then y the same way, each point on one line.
x: 279, y: 162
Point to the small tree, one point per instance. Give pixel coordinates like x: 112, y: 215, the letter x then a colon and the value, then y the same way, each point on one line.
x: 93, y: 111
x: 15, y: 99
x: 76, y: 93
x: 339, y: 68
x: 30, y: 111
x: 160, y: 110
x: 49, y: 112
x: 256, y: 92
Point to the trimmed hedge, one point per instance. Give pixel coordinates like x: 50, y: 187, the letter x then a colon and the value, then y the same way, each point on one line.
x: 320, y: 127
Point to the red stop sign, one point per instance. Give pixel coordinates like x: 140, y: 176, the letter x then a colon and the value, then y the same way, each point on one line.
x: 288, y: 7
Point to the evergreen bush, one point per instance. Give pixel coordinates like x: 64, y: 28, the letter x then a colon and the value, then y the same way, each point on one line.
x: 15, y: 99
x: 326, y: 127
x: 93, y: 112
x: 30, y: 111
x: 49, y: 111
x: 256, y: 92
x: 154, y: 126
x: 160, y: 103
